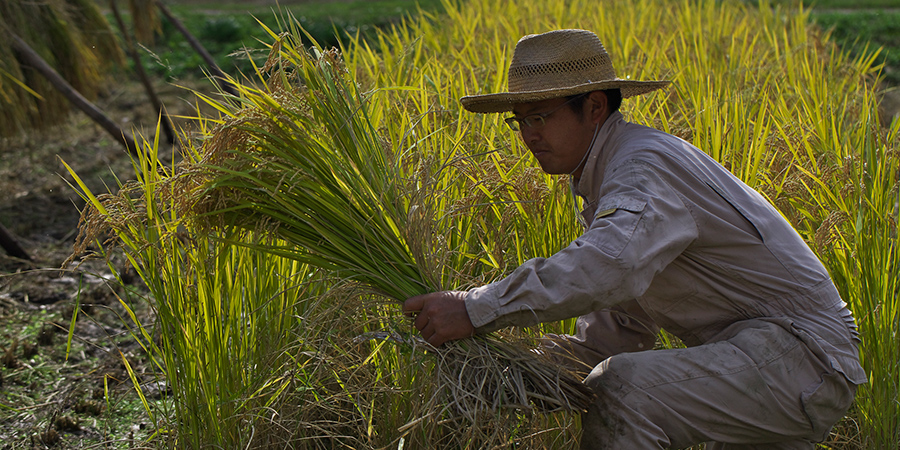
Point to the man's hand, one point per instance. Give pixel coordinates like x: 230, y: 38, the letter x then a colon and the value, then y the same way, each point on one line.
x: 440, y: 316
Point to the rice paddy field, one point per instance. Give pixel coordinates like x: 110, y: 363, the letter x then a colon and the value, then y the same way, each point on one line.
x: 257, y: 267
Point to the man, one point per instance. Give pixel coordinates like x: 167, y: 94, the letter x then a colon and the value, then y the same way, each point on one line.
x: 671, y: 240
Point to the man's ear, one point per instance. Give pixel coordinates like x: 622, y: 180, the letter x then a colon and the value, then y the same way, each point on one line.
x: 599, y: 107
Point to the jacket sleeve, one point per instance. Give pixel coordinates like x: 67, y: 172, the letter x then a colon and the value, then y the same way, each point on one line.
x: 604, y: 333
x: 641, y: 225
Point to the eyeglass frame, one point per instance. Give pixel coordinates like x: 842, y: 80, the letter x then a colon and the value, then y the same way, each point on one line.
x: 536, y: 120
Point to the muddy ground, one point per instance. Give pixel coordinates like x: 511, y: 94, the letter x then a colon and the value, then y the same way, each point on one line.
x: 85, y: 398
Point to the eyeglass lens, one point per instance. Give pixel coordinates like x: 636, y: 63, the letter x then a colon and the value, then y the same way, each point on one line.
x: 534, y: 120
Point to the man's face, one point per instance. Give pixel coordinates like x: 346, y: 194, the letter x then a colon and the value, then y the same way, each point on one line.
x: 561, y: 143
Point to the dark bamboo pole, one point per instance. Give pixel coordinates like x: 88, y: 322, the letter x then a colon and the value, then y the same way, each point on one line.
x: 31, y: 57
x: 9, y: 243
x: 166, y: 122
x: 217, y: 73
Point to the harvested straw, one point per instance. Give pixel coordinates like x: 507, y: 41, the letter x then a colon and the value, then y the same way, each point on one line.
x: 304, y: 163
x: 486, y: 374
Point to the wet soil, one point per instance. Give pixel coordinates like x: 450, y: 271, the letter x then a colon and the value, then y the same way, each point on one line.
x: 60, y: 390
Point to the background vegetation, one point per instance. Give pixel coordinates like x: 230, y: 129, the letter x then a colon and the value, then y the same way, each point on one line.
x: 864, y: 26
x: 81, y: 46
x: 227, y: 29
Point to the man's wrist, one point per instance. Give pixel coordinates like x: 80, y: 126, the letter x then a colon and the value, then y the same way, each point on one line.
x: 482, y: 305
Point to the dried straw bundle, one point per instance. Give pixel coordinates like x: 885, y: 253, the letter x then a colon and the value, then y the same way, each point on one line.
x: 303, y: 163
x: 486, y: 374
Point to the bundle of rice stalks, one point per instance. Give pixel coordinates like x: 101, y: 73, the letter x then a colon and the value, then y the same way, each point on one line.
x: 486, y: 374
x: 302, y: 162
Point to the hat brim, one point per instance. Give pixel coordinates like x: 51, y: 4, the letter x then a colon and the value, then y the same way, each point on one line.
x: 504, y: 101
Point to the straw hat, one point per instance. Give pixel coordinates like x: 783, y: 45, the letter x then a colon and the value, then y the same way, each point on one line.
x: 557, y: 64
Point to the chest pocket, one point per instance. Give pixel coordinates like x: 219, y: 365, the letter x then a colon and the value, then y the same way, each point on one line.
x: 614, y: 223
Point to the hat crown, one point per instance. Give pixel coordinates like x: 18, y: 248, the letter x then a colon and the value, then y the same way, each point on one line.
x: 557, y: 64
x: 559, y: 59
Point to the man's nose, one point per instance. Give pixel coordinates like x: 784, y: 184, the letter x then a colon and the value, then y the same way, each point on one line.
x: 529, y: 134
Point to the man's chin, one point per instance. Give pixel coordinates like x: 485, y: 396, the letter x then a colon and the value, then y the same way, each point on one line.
x: 547, y: 168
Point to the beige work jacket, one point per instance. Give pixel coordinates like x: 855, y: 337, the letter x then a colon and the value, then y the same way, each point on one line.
x: 673, y: 233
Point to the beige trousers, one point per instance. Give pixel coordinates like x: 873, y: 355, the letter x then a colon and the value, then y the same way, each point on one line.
x: 759, y: 386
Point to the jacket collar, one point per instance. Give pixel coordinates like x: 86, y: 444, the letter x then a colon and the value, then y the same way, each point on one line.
x: 588, y: 186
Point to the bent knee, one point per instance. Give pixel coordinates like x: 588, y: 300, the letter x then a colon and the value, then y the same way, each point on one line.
x: 612, y: 374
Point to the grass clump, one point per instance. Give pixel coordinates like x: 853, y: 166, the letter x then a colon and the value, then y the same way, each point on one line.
x: 304, y: 162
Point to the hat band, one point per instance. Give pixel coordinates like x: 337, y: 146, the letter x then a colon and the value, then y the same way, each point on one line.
x: 557, y: 67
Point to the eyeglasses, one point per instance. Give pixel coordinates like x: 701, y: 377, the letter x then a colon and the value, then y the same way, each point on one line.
x: 535, y: 120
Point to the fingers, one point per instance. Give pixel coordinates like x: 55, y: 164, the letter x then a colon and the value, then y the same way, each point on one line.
x: 422, y: 309
x: 431, y: 336
x: 413, y: 305
x: 426, y: 326
x: 440, y: 316
x: 421, y: 321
